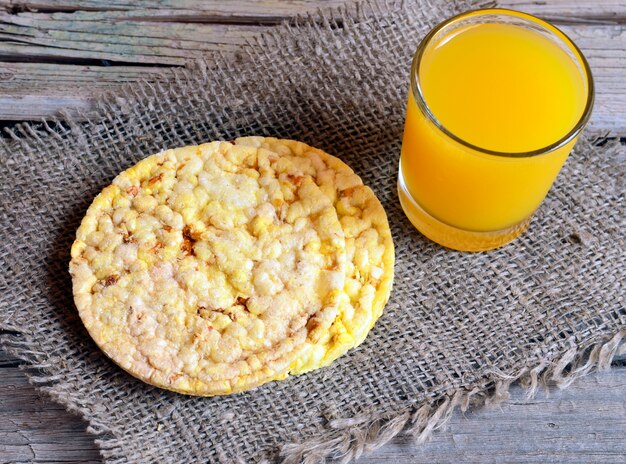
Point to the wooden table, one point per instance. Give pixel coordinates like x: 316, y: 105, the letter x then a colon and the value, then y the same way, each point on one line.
x: 60, y: 54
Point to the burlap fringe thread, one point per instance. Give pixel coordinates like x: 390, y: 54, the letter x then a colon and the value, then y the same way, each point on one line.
x: 349, y: 439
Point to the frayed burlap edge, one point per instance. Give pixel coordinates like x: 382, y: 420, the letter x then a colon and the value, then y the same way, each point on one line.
x: 349, y: 439
x: 346, y: 439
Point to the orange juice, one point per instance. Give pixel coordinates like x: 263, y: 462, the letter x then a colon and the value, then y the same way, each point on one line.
x: 501, y: 107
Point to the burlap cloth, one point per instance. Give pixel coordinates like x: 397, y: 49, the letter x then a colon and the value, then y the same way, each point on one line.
x: 459, y: 327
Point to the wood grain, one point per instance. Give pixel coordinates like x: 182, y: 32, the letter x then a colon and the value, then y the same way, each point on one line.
x: 33, y: 429
x: 62, y: 54
x: 253, y: 11
x: 274, y: 11
x: 575, y: 11
x: 585, y: 423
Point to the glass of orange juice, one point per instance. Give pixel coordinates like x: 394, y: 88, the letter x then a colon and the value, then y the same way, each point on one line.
x: 498, y: 99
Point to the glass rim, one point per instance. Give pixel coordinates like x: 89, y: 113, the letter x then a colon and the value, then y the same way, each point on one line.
x: 421, y: 101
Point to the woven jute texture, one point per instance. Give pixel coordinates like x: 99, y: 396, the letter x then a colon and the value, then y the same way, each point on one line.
x: 459, y: 327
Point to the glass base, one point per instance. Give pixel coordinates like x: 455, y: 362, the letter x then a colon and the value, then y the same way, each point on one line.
x: 453, y: 237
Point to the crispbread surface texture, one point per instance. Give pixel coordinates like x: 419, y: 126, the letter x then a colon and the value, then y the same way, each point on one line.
x: 208, y: 269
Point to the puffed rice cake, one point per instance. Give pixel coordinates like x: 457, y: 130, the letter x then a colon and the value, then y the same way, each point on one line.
x: 369, y: 248
x: 213, y: 269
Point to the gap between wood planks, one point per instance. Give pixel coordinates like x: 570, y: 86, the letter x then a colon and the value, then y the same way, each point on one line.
x: 61, y: 54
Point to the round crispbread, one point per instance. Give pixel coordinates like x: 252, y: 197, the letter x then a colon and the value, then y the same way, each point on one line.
x: 210, y: 269
x: 369, y: 248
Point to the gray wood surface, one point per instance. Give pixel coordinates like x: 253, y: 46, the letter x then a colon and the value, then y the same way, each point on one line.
x: 584, y: 424
x: 60, y: 54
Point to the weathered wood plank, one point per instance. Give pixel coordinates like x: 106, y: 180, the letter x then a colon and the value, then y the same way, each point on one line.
x: 152, y: 24
x: 35, y: 90
x: 123, y: 32
x: 585, y: 423
x: 602, y: 11
x: 34, y: 429
x: 605, y: 49
x: 132, y: 36
x: 26, y: 75
x: 274, y: 11
x: 253, y: 11
x: 31, y: 91
x: 124, y: 41
x: 165, y: 35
